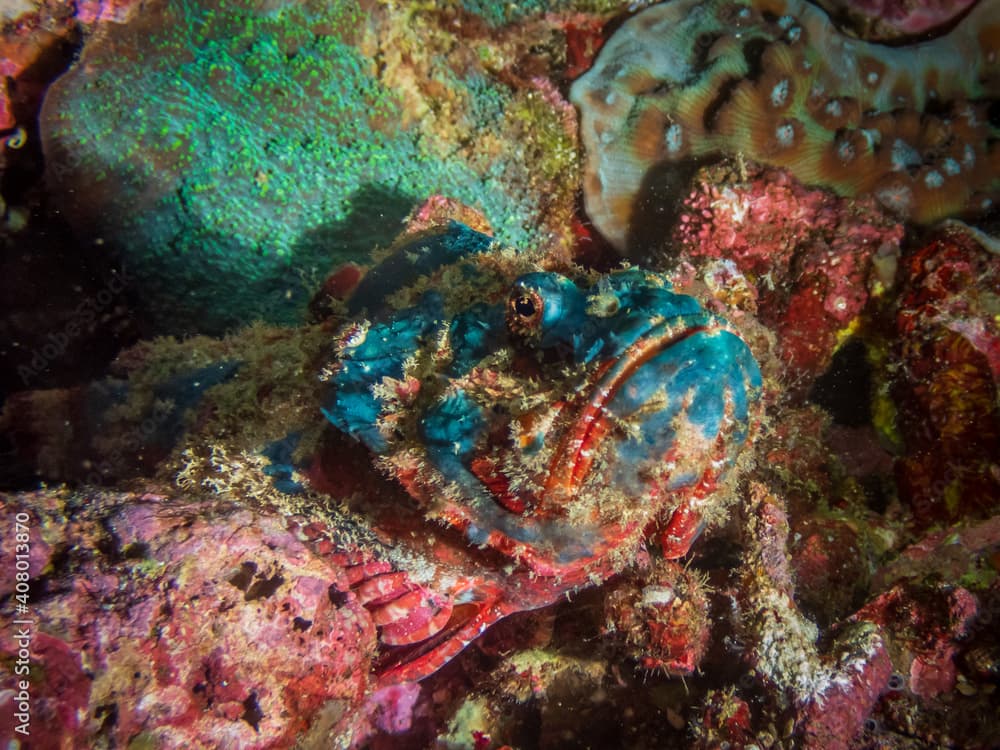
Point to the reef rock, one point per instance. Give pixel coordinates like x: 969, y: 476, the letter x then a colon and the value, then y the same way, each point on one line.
x: 161, y: 621
x: 816, y: 259
x: 943, y: 405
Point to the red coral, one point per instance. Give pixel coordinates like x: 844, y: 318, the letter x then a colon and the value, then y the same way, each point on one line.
x: 831, y: 723
x: 926, y: 625
x: 584, y: 39
x: 7, y: 120
x: 57, y: 689
x: 810, y: 252
x: 92, y: 12
x: 725, y: 719
x: 946, y: 383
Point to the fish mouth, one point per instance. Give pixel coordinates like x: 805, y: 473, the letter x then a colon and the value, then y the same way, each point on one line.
x: 581, y: 441
x: 652, y: 419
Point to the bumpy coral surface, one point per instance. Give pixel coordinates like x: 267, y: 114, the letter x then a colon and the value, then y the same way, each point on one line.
x: 276, y: 139
x: 161, y: 622
x: 774, y: 81
x: 816, y: 259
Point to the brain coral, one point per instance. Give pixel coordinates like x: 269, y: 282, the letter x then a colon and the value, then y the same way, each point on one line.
x: 916, y: 126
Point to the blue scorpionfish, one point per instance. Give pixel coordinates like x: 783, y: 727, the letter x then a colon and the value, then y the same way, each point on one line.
x: 548, y: 423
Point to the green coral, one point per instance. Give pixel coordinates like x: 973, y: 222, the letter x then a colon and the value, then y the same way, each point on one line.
x: 555, y: 156
x: 235, y: 155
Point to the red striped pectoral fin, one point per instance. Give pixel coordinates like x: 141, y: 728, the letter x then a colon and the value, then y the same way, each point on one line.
x: 405, y: 612
x: 421, y: 659
x: 423, y: 614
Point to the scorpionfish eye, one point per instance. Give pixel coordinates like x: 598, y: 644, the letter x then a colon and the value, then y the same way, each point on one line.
x: 524, y: 312
x: 544, y: 308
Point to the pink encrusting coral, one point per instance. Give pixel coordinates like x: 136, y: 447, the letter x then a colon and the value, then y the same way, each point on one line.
x: 183, y: 624
x: 814, y: 256
x: 927, y: 626
x: 23, y: 46
x: 776, y: 82
x: 92, y: 12
x: 834, y: 690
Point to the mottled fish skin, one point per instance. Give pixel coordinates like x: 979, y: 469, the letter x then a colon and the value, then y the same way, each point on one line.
x: 650, y: 364
x: 551, y: 416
